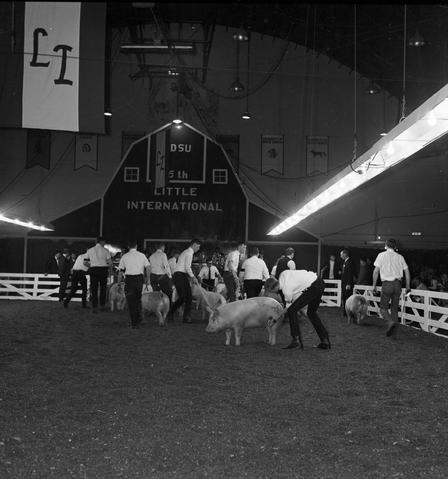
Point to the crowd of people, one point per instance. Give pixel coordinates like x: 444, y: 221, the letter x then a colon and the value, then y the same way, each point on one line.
x: 244, y: 273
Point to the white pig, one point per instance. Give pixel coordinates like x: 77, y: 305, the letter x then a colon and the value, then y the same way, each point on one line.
x: 248, y: 313
x: 158, y: 303
x: 207, y: 300
x: 356, y: 308
x: 117, y: 298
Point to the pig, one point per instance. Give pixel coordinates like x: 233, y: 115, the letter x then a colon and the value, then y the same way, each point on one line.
x: 207, y: 300
x: 117, y: 298
x: 248, y: 313
x: 221, y: 289
x: 356, y: 308
x: 156, y: 302
x: 270, y: 290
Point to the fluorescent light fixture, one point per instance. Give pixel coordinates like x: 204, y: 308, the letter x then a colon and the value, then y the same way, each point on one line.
x: 107, y: 113
x: 181, y: 47
x: 423, y: 126
x: 177, y: 121
x: 112, y: 249
x: 25, y: 224
x: 245, y: 115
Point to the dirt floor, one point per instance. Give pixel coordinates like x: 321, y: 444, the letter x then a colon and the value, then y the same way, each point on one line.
x: 83, y: 396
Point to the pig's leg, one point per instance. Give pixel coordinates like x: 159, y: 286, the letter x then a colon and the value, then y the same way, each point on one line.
x: 238, y: 334
x: 159, y: 318
x: 228, y: 336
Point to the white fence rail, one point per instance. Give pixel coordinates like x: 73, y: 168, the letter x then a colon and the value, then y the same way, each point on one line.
x: 32, y: 286
x: 332, y: 293
x: 426, y: 310
x: 46, y: 288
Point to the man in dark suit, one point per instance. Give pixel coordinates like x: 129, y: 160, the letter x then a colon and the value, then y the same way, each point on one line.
x: 347, y: 278
x: 331, y: 269
x: 52, y: 265
x: 64, y: 268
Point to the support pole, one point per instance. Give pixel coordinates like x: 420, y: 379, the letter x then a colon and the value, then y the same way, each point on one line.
x: 25, y: 251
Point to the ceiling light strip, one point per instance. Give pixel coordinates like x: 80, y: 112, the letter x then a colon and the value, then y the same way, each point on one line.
x: 423, y: 126
x: 26, y: 224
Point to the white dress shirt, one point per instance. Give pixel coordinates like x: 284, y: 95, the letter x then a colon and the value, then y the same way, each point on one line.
x: 204, y: 273
x: 159, y: 263
x: 391, y: 265
x: 255, y: 268
x: 183, y: 264
x: 133, y: 262
x: 79, y: 263
x: 294, y: 282
x: 331, y: 272
x: 172, y: 264
x: 99, y: 256
x: 232, y: 262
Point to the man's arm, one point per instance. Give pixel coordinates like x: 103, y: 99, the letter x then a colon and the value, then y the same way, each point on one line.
x: 376, y: 272
x: 188, y: 262
x: 407, y: 275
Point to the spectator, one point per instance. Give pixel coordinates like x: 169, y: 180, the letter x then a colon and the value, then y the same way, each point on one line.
x: 365, y: 272
x: 347, y: 278
x: 331, y: 270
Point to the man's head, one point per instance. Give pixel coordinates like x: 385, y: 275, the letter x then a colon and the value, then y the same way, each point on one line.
x: 132, y: 244
x: 209, y: 262
x: 241, y: 247
x: 363, y: 261
x: 391, y: 244
x: 195, y: 245
x: 289, y: 252
x: 332, y: 257
x: 345, y: 254
x: 101, y: 240
x: 160, y: 246
x: 254, y: 251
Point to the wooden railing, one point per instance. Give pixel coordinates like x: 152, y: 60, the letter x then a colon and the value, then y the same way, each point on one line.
x: 32, y: 286
x: 426, y: 310
x: 332, y: 293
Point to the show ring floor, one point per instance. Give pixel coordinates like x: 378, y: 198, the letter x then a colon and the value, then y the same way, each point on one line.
x: 84, y: 396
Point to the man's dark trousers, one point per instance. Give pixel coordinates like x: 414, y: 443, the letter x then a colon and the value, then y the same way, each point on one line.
x: 161, y: 282
x: 183, y: 288
x: 98, y: 278
x: 78, y: 279
x: 231, y: 285
x: 133, y: 285
x: 252, y: 287
x: 311, y: 297
x: 63, y: 286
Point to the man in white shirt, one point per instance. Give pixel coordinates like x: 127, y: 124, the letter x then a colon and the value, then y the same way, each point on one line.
x: 208, y: 275
x: 100, y: 265
x: 79, y: 271
x: 230, y: 274
x: 303, y: 288
x: 160, y: 276
x: 255, y: 272
x: 173, y: 261
x: 181, y: 280
x: 135, y: 267
x: 391, y: 266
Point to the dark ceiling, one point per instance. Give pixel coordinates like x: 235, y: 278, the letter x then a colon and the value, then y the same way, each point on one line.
x: 329, y: 29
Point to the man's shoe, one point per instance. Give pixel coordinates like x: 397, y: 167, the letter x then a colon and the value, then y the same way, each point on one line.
x: 292, y: 345
x: 323, y: 346
x: 390, y: 330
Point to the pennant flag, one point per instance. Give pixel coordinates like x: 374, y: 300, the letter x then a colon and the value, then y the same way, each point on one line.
x: 316, y: 155
x: 86, y: 151
x: 38, y: 149
x: 54, y: 75
x: 271, y: 154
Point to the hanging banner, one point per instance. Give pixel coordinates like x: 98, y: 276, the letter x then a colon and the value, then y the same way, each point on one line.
x: 316, y: 155
x: 55, y: 74
x: 86, y: 152
x: 38, y: 149
x: 271, y: 154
